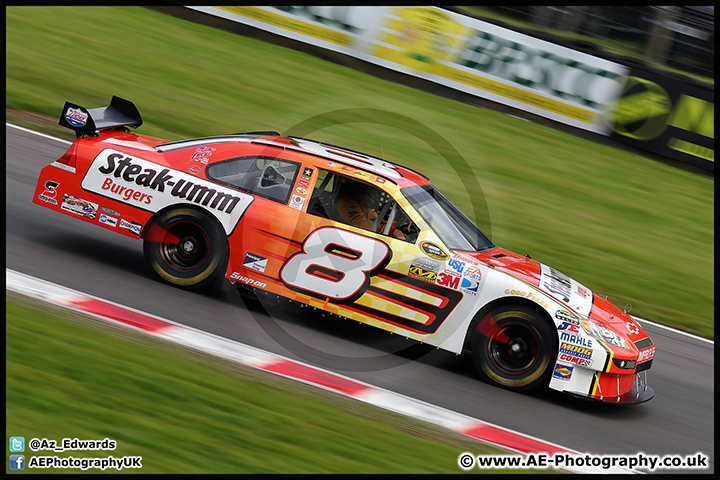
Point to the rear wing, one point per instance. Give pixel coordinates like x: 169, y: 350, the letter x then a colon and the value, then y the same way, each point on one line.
x: 120, y: 113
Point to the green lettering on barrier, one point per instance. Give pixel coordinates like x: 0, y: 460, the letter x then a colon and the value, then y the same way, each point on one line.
x: 694, y: 115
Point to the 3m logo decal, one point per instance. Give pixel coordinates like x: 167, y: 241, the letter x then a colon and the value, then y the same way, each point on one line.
x: 447, y: 280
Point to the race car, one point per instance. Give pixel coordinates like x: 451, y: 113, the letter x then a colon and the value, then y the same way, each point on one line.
x: 323, y: 226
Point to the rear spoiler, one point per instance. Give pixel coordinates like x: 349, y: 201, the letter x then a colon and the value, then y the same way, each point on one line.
x: 120, y: 113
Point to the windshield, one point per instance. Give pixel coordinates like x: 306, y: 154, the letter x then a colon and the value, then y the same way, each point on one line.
x: 452, y: 226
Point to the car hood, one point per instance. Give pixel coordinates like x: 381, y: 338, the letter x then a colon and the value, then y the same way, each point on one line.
x: 564, y: 289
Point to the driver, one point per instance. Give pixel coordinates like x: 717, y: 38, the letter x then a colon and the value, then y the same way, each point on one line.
x: 357, y: 204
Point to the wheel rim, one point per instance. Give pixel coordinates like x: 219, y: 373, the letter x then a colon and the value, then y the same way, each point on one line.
x: 184, y: 246
x: 514, y: 349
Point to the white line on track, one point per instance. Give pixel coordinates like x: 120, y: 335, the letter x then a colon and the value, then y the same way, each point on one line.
x: 38, y: 133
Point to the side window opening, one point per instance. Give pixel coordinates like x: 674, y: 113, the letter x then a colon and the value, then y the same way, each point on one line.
x: 267, y: 177
x: 357, y: 203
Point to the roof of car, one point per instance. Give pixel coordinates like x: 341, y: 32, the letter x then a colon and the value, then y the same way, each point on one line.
x: 334, y: 153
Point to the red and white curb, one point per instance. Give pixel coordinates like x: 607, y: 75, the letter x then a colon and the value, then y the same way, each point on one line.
x: 253, y: 357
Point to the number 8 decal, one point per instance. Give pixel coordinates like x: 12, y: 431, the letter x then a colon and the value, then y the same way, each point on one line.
x: 335, y: 263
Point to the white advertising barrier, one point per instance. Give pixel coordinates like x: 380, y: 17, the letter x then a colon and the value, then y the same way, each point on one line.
x: 456, y: 51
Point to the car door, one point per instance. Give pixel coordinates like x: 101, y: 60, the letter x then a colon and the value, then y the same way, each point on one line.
x: 361, y: 271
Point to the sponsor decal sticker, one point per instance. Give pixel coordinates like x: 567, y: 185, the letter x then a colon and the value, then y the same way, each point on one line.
x: 566, y: 317
x: 132, y: 226
x: 79, y: 206
x: 48, y: 195
x: 632, y: 327
x: 448, y: 280
x: 76, y: 117
x: 256, y: 262
x: 577, y: 350
x: 248, y: 281
x: 528, y: 295
x: 583, y: 362
x: 563, y: 372
x: 570, y: 327
x: 473, y: 272
x: 296, y: 202
x: 433, y: 251
x: 646, y: 354
x: 110, y: 211
x: 301, y: 190
x: 422, y: 274
x: 456, y: 265
x: 576, y: 339
x: 307, y: 173
x: 108, y: 220
x: 202, y: 154
x: 468, y: 285
x: 426, y: 263
x: 194, y: 169
x: 304, y: 183
x: 556, y: 283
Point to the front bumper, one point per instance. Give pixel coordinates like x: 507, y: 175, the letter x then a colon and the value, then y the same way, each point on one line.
x: 639, y: 393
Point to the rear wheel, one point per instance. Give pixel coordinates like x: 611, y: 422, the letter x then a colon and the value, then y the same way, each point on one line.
x: 187, y: 248
x: 514, y: 347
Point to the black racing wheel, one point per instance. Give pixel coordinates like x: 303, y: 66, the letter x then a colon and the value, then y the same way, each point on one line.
x: 515, y: 348
x: 187, y: 248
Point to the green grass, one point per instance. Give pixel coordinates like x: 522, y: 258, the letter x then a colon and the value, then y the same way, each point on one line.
x: 626, y: 226
x: 70, y: 377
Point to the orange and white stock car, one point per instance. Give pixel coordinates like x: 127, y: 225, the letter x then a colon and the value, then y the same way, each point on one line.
x: 271, y: 214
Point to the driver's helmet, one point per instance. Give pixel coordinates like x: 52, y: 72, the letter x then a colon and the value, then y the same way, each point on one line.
x: 366, y: 194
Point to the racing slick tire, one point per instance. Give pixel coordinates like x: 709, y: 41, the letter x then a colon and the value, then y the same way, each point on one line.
x: 515, y: 348
x: 187, y: 248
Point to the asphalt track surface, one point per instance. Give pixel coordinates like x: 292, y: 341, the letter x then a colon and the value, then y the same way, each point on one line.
x: 84, y: 257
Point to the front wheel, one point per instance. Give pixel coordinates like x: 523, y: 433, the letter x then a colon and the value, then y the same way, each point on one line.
x: 187, y: 248
x: 515, y: 348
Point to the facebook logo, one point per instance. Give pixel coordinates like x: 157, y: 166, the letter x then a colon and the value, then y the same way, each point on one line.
x: 17, y: 462
x: 17, y: 444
